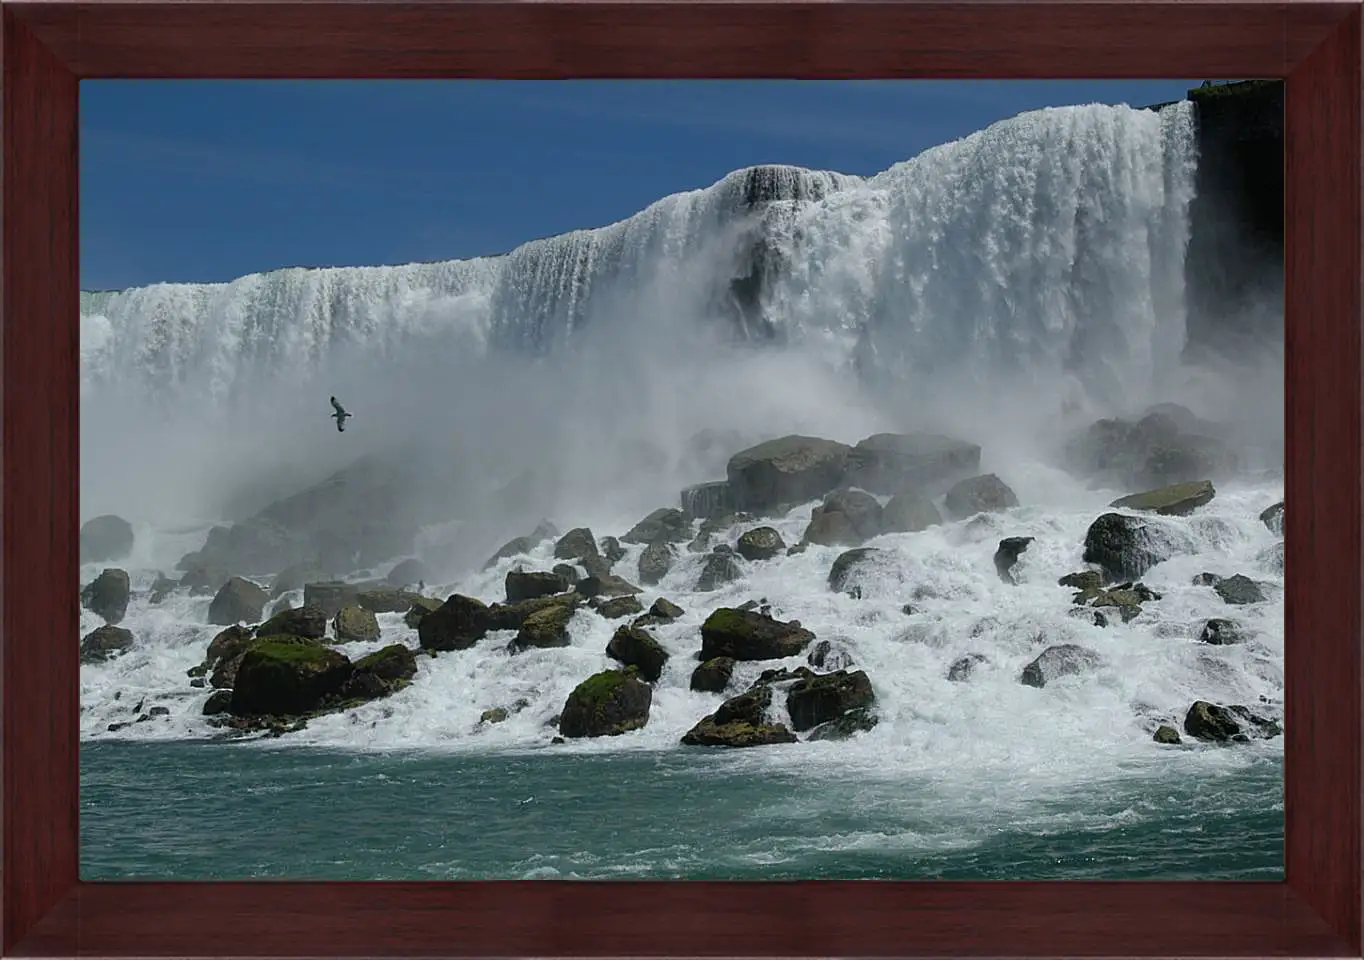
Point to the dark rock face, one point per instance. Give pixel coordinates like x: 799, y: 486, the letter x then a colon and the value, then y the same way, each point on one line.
x: 740, y: 722
x: 457, y: 624
x: 611, y: 550
x: 381, y: 673
x: 1010, y: 549
x: 606, y: 704
x: 107, y: 595
x: 745, y: 635
x: 706, y: 500
x: 665, y: 525
x: 962, y: 668
x: 605, y: 585
x: 1176, y: 500
x: 890, y: 462
x: 665, y: 609
x: 636, y: 647
x: 307, y: 622
x: 826, y: 656
x: 1062, y: 660
x: 527, y: 585
x: 239, y: 600
x: 909, y: 512
x: 842, y: 727
x: 1221, y: 632
x: 1166, y: 734
x: 719, y: 569
x: 1210, y: 722
x: 1272, y: 518
x: 713, y: 675
x: 1119, y: 545
x: 655, y: 562
x: 105, y: 538
x: 279, y: 677
x: 792, y: 469
x: 843, y: 573
x: 577, y: 544
x: 1239, y: 590
x: 983, y: 494
x: 826, y: 697
x: 104, y: 643
x: 760, y: 543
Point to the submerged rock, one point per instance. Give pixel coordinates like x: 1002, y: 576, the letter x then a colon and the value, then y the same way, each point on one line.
x: 718, y: 570
x: 107, y: 595
x: 1010, y: 549
x: 962, y: 668
x: 844, y: 569
x: 908, y: 512
x: 1221, y: 632
x: 1166, y: 734
x: 861, y: 720
x: 1062, y: 660
x: 825, y: 656
x: 1212, y: 723
x: 606, y: 704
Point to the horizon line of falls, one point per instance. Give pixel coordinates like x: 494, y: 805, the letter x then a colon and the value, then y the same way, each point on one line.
x: 1051, y: 245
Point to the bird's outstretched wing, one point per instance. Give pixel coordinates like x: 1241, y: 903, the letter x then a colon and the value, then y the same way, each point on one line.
x: 337, y: 407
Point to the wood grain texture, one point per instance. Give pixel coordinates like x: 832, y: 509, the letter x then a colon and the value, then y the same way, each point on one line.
x: 1322, y: 206
x: 38, y: 501
x: 46, y: 46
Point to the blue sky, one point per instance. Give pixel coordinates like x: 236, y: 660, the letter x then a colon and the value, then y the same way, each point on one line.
x: 210, y: 180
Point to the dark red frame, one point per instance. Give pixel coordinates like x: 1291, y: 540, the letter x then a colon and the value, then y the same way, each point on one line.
x: 49, y: 46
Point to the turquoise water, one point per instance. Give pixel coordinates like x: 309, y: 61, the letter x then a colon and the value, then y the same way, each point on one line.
x: 204, y: 810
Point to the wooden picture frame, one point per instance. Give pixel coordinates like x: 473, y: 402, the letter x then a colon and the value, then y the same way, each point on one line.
x: 48, y: 46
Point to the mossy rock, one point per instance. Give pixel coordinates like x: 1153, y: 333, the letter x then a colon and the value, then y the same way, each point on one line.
x: 1083, y: 580
x: 740, y: 722
x: 457, y: 624
x: 421, y: 606
x: 530, y: 584
x: 1166, y: 734
x: 306, y: 621
x: 1175, y: 500
x: 545, y: 628
x: 713, y: 675
x: 745, y: 635
x: 1120, y: 546
x: 381, y: 673
x: 606, y: 704
x: 104, y: 643
x: 618, y: 607
x: 635, y: 647
x: 355, y: 624
x: 282, y: 676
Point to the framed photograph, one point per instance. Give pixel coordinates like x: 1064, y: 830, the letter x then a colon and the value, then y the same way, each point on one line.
x: 872, y: 453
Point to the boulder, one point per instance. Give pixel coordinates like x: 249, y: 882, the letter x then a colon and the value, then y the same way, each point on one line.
x: 577, y: 544
x: 961, y: 669
x: 307, y: 622
x: 611, y: 550
x: 618, y: 607
x: 1166, y: 734
x: 218, y: 702
x: 745, y: 635
x: 407, y: 572
x: 1083, y: 580
x: 830, y: 528
x: 1272, y: 518
x: 1221, y: 632
x: 606, y: 704
x: 527, y: 585
x: 285, y: 676
x: 983, y: 494
x: 788, y: 470
x: 760, y: 543
x: 457, y: 624
x: 861, y: 508
x: 1010, y: 549
x: 381, y: 673
x: 105, y: 538
x: 421, y: 606
x: 1239, y: 590
x: 826, y: 697
x: 385, y: 599
x: 861, y: 720
x: 826, y: 656
x: 1217, y: 724
x: 636, y: 647
x: 909, y: 512
x: 889, y: 462
x: 719, y: 569
x: 740, y: 722
x: 655, y: 562
x: 664, y: 525
x: 330, y: 596
x: 843, y: 573
x: 104, y: 643
x: 705, y: 500
x: 545, y: 628
x: 1156, y: 450
x: 1121, y: 546
x: 225, y: 654
x: 1062, y: 660
x: 107, y: 595
x: 605, y: 585
x: 354, y: 624
x: 1176, y: 500
x: 713, y: 675
x: 665, y: 609
x: 238, y: 601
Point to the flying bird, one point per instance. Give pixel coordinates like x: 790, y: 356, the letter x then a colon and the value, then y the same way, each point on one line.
x: 340, y: 416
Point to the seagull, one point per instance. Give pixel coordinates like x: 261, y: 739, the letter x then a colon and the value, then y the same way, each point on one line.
x: 340, y: 415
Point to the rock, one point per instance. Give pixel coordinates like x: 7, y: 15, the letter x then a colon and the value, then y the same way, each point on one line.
x: 1272, y: 517
x: 386, y: 600
x: 705, y: 500
x: 1221, y: 632
x: 515, y: 547
x: 1210, y: 722
x: 239, y: 600
x: 745, y: 635
x: 888, y: 462
x: 493, y: 715
x: 1239, y: 590
x: 330, y: 596
x: 1121, y: 546
x: 527, y: 585
x: 618, y: 607
x: 825, y: 656
x: 1126, y: 598
x: 740, y: 722
x: 1010, y: 548
x: 983, y: 494
x: 861, y: 508
x: 1157, y: 450
x: 1084, y: 580
x: 665, y: 609
x: 577, y: 544
x: 457, y: 624
x: 421, y: 606
x: 1206, y: 579
x: 568, y: 572
x: 407, y: 572
x: 655, y: 562
x: 713, y: 675
x: 842, y: 727
x: 908, y: 512
x: 105, y: 538
x: 295, y: 577
x: 203, y: 578
x: 545, y: 628
x: 286, y: 676
x: 607, y: 585
x: 218, y: 702
x: 635, y: 647
x: 611, y: 550
x: 307, y: 622
x: 1166, y: 734
x: 104, y: 643
x: 162, y: 587
x: 107, y: 595
x: 760, y: 543
x: 963, y: 667
x: 1176, y: 500
x: 830, y: 528
x: 665, y: 525
x: 792, y: 469
x: 1062, y: 660
x: 606, y: 704
x: 381, y: 673
x: 826, y: 697
x: 842, y: 573
x: 719, y: 569
x: 355, y: 624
